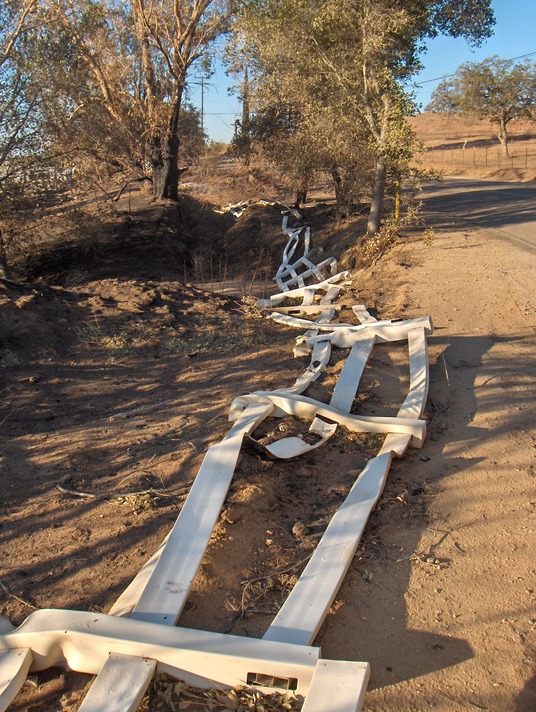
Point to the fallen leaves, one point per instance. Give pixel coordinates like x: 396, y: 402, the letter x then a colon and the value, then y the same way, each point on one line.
x: 170, y: 694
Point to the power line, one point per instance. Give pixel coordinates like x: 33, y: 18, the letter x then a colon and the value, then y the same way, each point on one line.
x: 448, y: 76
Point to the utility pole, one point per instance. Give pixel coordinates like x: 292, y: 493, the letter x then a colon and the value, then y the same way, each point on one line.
x: 203, y: 104
x: 245, y: 127
x: 201, y: 82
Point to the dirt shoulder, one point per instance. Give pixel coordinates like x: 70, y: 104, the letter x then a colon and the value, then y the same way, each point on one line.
x: 115, y: 387
x: 453, y: 627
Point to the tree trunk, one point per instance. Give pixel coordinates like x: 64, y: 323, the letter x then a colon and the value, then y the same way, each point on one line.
x: 165, y: 155
x: 503, y: 136
x: 398, y: 198
x: 4, y: 269
x: 157, y: 166
x: 378, y: 193
x: 341, y: 195
x: 301, y: 194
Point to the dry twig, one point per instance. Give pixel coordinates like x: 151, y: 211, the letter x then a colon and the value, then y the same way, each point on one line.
x: 115, y: 495
x: 20, y: 600
x: 139, y: 411
x: 418, y: 554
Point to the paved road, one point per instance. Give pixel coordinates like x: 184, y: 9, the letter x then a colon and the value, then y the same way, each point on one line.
x: 508, y: 208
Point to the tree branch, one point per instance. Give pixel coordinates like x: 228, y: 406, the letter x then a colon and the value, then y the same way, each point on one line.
x: 16, y: 32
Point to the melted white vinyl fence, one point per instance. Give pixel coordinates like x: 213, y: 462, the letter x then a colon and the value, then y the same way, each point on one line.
x: 139, y: 636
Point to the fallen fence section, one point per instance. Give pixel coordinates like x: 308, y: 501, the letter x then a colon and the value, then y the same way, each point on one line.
x: 139, y: 636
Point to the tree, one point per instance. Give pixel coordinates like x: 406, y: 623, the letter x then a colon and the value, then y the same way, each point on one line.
x: 172, y: 36
x: 495, y: 89
x: 191, y: 135
x: 13, y: 20
x: 86, y: 59
x: 341, y: 69
x: 283, y: 133
x: 17, y: 102
x: 115, y: 75
x: 241, y: 142
x: 309, y: 86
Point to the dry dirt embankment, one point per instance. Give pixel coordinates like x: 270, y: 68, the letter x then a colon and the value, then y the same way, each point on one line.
x: 114, y: 385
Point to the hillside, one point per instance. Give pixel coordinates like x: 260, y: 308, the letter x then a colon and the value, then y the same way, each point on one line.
x: 469, y: 147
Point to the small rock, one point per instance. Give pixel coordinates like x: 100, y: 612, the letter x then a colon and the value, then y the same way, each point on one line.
x: 300, y: 530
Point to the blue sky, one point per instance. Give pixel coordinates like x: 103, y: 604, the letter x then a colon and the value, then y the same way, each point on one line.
x: 514, y: 36
x: 220, y: 108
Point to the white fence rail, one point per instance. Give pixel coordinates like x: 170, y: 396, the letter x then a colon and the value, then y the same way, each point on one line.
x: 139, y: 636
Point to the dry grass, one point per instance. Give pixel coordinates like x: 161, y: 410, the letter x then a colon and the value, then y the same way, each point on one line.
x: 173, y: 695
x: 470, y: 147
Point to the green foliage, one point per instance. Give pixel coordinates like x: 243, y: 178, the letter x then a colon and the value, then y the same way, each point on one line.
x: 192, y: 137
x: 491, y: 89
x: 328, y: 78
x: 471, y: 19
x: 311, y: 60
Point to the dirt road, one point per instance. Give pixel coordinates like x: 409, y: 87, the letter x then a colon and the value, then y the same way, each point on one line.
x: 508, y: 208
x: 453, y: 627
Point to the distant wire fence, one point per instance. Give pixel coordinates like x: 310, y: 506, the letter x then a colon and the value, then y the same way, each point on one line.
x: 521, y: 157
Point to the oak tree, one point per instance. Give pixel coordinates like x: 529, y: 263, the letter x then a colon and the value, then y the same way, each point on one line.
x: 171, y: 37
x: 496, y: 89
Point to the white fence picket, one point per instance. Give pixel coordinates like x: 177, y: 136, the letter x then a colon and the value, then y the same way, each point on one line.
x: 118, y: 674
x: 14, y: 666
